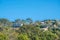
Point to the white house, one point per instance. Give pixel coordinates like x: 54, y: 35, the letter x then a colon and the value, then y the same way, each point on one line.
x: 44, y: 27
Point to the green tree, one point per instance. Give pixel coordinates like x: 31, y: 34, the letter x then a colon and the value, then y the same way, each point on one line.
x: 49, y: 35
x: 35, y: 37
x: 3, y: 36
x: 29, y: 20
x: 4, y: 22
x: 23, y: 37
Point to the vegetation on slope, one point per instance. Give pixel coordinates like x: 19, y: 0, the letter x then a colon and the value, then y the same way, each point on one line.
x: 29, y: 30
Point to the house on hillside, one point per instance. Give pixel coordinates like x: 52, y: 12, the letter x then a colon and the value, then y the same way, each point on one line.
x: 44, y: 27
x: 17, y: 25
x: 42, y: 22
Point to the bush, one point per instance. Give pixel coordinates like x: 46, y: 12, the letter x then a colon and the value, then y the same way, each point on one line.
x: 23, y: 37
x: 3, y: 36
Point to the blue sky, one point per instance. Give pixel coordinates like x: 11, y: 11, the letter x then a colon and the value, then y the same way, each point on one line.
x: 35, y: 9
